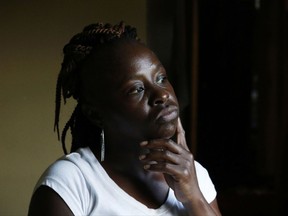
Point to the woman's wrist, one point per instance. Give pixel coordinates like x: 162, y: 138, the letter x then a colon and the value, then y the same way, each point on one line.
x: 198, y: 206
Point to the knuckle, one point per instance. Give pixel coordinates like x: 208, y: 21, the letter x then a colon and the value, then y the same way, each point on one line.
x: 166, y: 154
x: 170, y: 142
x: 190, y: 157
x: 166, y: 166
x: 187, y: 164
x: 185, y: 173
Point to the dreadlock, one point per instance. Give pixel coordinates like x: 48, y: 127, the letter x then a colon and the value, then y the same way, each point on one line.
x: 76, y: 52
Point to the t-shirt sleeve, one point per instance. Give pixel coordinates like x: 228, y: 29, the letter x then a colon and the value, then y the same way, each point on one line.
x: 205, y: 183
x: 67, y: 181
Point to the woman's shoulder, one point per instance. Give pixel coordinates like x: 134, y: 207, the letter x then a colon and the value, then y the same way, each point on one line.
x: 67, y: 176
x: 68, y: 167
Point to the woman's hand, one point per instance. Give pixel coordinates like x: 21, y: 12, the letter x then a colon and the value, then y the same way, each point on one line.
x: 176, y: 162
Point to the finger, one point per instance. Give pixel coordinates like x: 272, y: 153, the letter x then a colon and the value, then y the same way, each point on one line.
x: 181, y: 140
x: 162, y: 144
x: 165, y: 150
x: 175, y: 171
x: 161, y: 156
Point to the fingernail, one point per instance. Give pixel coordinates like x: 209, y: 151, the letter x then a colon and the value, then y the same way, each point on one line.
x: 143, y: 143
x: 141, y: 157
x: 147, y: 166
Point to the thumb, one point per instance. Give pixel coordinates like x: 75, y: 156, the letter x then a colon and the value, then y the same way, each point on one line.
x: 181, y: 140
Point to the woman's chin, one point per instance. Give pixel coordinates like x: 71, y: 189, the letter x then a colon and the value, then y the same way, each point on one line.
x: 166, y: 131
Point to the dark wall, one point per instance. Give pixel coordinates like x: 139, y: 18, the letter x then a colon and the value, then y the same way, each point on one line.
x: 225, y: 78
x: 242, y: 122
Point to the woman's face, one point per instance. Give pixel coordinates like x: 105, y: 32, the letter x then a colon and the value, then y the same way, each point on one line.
x: 132, y: 96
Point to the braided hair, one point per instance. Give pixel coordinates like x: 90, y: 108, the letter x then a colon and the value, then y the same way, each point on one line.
x: 80, y: 47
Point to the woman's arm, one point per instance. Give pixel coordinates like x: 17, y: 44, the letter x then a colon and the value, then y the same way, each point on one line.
x: 176, y: 162
x: 201, y: 207
x: 214, y: 204
x: 46, y: 202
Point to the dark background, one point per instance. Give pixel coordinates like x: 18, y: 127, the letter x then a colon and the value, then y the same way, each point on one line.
x: 228, y: 62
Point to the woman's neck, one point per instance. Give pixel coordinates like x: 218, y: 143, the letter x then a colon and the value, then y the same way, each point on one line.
x: 149, y: 188
x: 126, y: 170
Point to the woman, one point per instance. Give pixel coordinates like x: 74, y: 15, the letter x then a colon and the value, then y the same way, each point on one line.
x: 129, y: 154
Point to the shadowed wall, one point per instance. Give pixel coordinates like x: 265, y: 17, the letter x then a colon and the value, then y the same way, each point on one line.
x: 33, y: 34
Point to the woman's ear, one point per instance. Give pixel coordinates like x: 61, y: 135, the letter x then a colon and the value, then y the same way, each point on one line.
x: 92, y: 115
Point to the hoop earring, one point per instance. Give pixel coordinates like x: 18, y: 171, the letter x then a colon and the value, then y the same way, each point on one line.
x: 102, y: 142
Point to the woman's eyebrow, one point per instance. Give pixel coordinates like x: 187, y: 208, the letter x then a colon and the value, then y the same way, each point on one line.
x: 138, y: 75
x: 158, y: 66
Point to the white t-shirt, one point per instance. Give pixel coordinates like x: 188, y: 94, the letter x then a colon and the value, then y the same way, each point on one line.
x: 87, y: 189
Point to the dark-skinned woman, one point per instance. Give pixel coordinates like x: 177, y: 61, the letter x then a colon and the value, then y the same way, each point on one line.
x: 128, y: 154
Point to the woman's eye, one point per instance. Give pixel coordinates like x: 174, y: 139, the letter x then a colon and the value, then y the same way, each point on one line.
x: 136, y: 90
x: 161, y: 79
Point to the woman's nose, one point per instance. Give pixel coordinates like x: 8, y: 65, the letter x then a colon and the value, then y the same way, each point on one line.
x: 159, y: 96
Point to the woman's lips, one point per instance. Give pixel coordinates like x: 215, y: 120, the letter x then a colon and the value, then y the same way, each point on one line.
x: 167, y: 114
